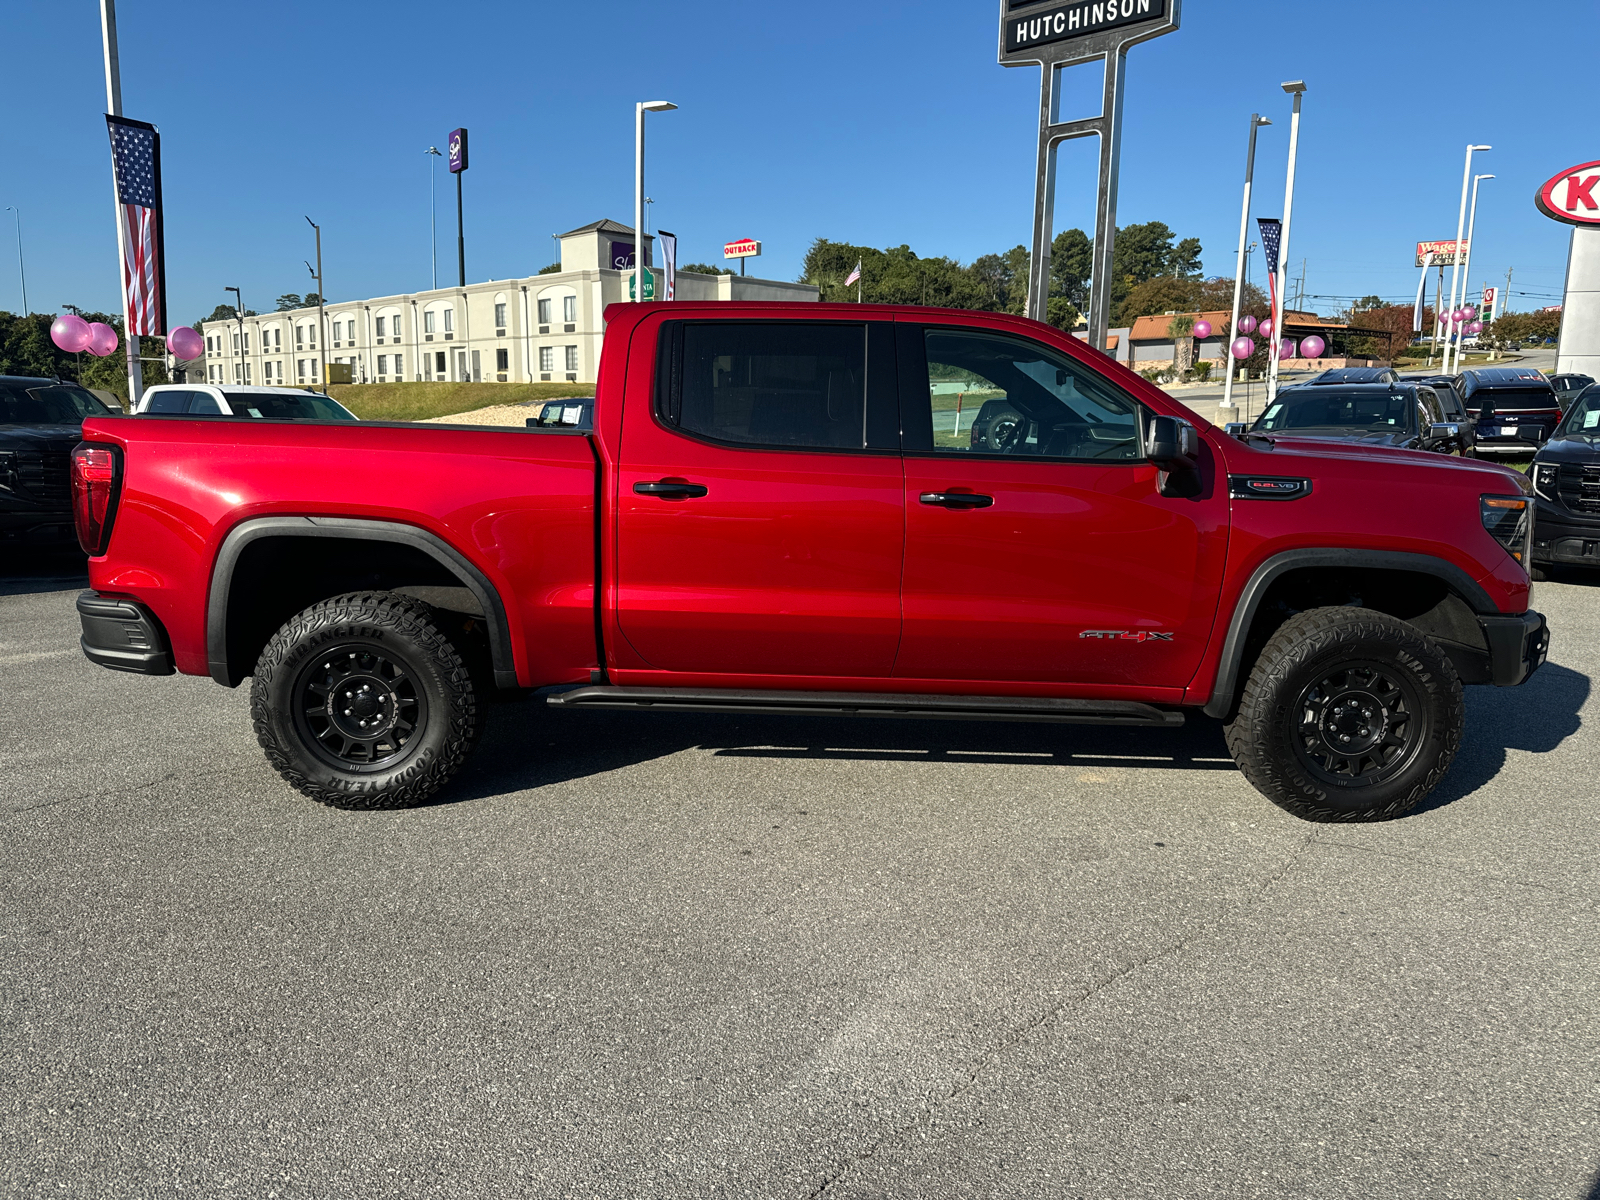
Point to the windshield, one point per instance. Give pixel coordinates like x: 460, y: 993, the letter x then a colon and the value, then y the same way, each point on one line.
x: 1335, y: 408
x: 48, y: 404
x: 286, y: 406
x: 1583, y: 417
x: 1514, y: 398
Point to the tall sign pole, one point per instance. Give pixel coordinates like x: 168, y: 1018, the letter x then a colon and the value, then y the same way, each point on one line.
x: 458, y: 166
x: 1227, y: 405
x: 1051, y: 35
x: 1573, y: 198
x: 108, y: 42
x: 1296, y: 88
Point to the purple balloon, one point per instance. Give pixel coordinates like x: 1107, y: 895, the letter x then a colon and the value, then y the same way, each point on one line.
x: 1265, y: 327
x: 1247, y: 324
x: 1285, y: 349
x: 70, y: 332
x: 102, y: 339
x: 185, y: 343
x: 1202, y: 329
x: 1474, y: 327
x: 1313, y: 346
x: 1243, y: 347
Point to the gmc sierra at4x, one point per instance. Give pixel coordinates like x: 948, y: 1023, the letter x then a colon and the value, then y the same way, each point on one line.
x: 778, y: 510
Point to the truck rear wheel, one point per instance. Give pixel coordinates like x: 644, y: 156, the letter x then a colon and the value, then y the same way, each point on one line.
x: 360, y: 702
x: 1348, y: 715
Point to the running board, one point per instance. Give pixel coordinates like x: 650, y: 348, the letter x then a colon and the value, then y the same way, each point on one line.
x: 870, y: 704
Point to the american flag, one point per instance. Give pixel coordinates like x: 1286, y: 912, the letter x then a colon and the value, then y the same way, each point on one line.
x: 854, y: 275
x: 136, y: 163
x: 1271, y: 235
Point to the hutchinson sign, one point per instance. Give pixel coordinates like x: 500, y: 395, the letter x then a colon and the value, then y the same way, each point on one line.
x: 1025, y: 24
x: 1572, y: 195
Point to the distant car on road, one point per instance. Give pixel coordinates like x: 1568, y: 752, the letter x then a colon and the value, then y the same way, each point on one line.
x: 254, y: 403
x: 1515, y: 409
x: 1568, y: 386
x: 41, y: 420
x: 1404, y: 416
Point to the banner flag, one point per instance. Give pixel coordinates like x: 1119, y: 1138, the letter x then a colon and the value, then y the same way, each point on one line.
x: 136, y: 166
x: 1271, y: 236
x: 1416, y: 312
x: 669, y: 260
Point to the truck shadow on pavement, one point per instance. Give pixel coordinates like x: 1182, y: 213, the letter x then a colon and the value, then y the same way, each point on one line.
x: 27, y: 571
x: 527, y: 745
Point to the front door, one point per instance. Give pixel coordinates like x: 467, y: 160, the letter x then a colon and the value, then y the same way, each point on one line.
x: 1037, y: 545
x: 760, y: 530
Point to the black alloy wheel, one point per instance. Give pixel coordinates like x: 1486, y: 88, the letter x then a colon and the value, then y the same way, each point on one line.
x: 1360, y: 725
x: 359, y: 709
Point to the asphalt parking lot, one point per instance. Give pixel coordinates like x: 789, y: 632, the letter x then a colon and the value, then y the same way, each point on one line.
x: 660, y: 955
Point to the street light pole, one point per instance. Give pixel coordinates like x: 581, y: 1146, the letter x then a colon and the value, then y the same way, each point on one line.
x: 322, y: 299
x: 113, y: 65
x: 639, y: 111
x: 238, y: 312
x: 1256, y: 121
x: 22, y: 271
x: 1466, y: 269
x: 433, y: 211
x: 1296, y: 88
x: 1455, y: 270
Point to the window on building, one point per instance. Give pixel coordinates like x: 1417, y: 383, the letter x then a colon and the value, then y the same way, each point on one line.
x: 547, y: 356
x: 427, y: 322
x: 449, y: 319
x: 399, y: 366
x: 569, y: 308
x: 311, y: 336
x: 572, y: 358
x: 277, y: 338
x: 383, y: 364
x: 380, y: 323
x: 502, y: 360
x: 236, y: 342
x: 500, y: 316
x: 544, y: 311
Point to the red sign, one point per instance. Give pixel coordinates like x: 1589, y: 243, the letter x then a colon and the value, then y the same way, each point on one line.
x: 1572, y: 195
x: 743, y: 248
x: 1445, y: 254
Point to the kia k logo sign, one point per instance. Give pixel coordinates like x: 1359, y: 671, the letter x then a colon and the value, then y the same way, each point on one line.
x: 1571, y: 196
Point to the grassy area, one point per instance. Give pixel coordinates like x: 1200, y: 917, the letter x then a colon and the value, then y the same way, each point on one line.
x: 419, y: 401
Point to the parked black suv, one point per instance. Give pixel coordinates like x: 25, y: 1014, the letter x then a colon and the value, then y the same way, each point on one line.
x: 1515, y: 408
x: 1355, y: 375
x: 1566, y: 486
x: 1407, y: 416
x: 41, y: 420
x: 1448, y: 389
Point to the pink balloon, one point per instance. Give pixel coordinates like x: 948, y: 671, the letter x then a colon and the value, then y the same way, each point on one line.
x: 1202, y: 329
x: 102, y: 339
x: 185, y: 343
x: 1247, y: 324
x: 70, y: 332
x: 1313, y: 346
x: 1265, y: 327
x: 1243, y: 347
x: 1285, y: 349
x: 1474, y: 327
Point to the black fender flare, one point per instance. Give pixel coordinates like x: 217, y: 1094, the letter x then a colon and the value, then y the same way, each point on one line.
x: 1244, y: 612
x: 441, y: 551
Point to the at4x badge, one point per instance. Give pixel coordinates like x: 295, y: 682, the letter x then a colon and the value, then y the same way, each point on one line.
x: 1127, y: 635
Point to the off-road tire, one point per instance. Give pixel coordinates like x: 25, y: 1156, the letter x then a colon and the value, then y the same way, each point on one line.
x: 1272, y: 740
x: 434, y: 685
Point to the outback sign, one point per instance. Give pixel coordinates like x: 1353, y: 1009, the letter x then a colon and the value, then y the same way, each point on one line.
x: 1026, y: 24
x: 1572, y: 195
x: 743, y: 248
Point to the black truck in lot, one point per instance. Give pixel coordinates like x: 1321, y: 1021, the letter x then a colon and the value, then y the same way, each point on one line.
x: 1566, y: 485
x: 41, y: 420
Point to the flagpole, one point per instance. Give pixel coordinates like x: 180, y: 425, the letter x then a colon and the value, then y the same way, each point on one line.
x: 108, y: 42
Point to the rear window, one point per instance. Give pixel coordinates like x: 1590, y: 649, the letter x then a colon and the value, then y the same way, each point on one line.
x: 48, y: 404
x: 1334, y: 408
x: 301, y: 406
x: 1513, y: 398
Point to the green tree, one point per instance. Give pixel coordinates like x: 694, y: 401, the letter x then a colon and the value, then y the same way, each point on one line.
x: 552, y: 269
x: 1071, y: 265
x: 289, y: 301
x: 705, y: 269
x: 222, y: 312
x: 26, y: 349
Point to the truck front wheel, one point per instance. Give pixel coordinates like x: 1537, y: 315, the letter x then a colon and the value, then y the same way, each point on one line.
x: 360, y: 702
x: 1348, y: 715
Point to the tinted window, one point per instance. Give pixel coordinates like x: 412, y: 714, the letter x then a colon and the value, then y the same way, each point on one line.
x: 287, y: 406
x: 1336, y: 408
x: 1584, y: 415
x: 992, y: 394
x: 47, y: 404
x: 168, y: 402
x: 769, y: 384
x: 1428, y: 406
x: 1448, y: 399
x: 1513, y: 398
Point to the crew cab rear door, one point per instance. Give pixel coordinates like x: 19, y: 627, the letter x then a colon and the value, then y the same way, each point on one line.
x: 1038, y: 547
x: 760, y: 512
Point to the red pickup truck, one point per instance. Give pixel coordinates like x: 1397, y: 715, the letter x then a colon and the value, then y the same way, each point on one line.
x: 817, y: 509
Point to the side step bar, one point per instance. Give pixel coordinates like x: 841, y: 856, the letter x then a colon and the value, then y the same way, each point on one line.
x: 870, y: 704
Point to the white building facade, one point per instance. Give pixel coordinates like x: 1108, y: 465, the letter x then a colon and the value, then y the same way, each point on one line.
x: 543, y: 328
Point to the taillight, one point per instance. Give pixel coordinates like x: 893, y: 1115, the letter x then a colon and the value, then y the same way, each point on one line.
x: 96, y: 472
x: 1509, y: 520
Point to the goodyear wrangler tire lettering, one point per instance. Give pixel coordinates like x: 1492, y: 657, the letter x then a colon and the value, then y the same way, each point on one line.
x: 361, y: 702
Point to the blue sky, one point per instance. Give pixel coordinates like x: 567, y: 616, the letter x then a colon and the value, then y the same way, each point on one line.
x: 877, y: 123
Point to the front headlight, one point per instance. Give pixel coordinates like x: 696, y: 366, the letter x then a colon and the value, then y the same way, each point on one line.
x: 1509, y: 520
x: 1544, y: 479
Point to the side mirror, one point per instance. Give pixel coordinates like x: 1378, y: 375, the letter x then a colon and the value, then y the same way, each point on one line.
x: 1173, y: 445
x: 1444, y: 429
x: 1236, y: 428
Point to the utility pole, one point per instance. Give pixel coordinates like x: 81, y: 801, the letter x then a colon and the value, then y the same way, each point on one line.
x: 108, y: 42
x: 322, y: 298
x: 1505, y: 301
x: 433, y: 211
x: 21, y: 270
x: 238, y: 312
